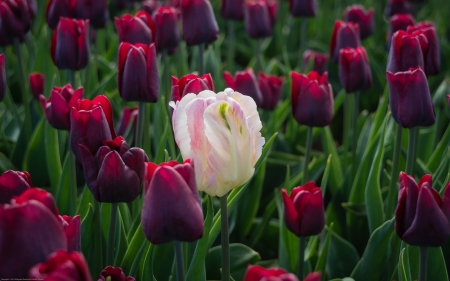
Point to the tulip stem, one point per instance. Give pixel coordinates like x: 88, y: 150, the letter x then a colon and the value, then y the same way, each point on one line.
x: 259, y: 65
x: 355, y: 132
x: 225, y: 238
x: 301, y: 50
x: 23, y: 89
x: 179, y: 260
x: 231, y: 39
x: 111, y: 235
x: 73, y: 181
x: 72, y: 78
x: 201, y: 49
x: 423, y: 263
x: 97, y: 245
x: 140, y: 127
x: 308, y: 146
x: 411, y: 158
x: 301, y: 258
x: 394, y: 173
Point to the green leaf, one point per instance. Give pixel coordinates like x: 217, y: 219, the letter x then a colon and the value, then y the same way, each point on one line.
x: 137, y: 242
x: 35, y: 157
x: 322, y: 261
x: 404, y: 273
x: 87, y: 228
x: 436, y: 269
x: 329, y: 147
x: 5, y: 164
x: 339, y: 248
x: 53, y: 157
x: 63, y: 197
x: 435, y: 159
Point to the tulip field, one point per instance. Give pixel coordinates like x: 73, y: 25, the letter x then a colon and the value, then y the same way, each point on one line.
x: 246, y: 140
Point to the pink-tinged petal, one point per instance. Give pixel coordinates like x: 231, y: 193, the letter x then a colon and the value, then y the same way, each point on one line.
x: 180, y: 129
x: 291, y: 217
x: 257, y: 273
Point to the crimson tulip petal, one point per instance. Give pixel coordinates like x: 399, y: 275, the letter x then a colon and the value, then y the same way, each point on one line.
x: 135, y: 159
x: 12, y: 184
x: 290, y: 214
x: 39, y: 195
x: 167, y: 32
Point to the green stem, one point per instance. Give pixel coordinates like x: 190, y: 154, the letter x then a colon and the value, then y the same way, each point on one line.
x: 411, y: 159
x: 166, y: 76
x: 179, y: 260
x: 423, y: 264
x: 355, y: 132
x: 98, y: 260
x: 346, y: 129
x: 307, y: 153
x: 394, y: 173
x: 72, y: 78
x: 301, y: 258
x: 259, y: 66
x: 304, y: 24
x: 73, y: 181
x: 140, y: 125
x: 225, y: 239
x: 23, y: 89
x: 231, y: 39
x: 201, y: 49
x: 111, y: 235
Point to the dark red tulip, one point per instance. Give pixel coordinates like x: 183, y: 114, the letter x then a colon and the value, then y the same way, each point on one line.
x: 354, y: 69
x: 198, y: 21
x: 270, y: 87
x: 410, y: 98
x: 258, y: 22
x: 304, y: 214
x: 167, y: 31
x: 233, y: 9
x: 138, y: 77
x: 13, y: 183
x: 91, y: 123
x: 72, y: 229
x: 259, y: 273
x: 422, y: 216
x: 433, y: 59
x: 398, y: 22
x: 37, y: 81
x: 2, y: 77
x: 32, y: 8
x: 190, y: 83
x: 273, y: 11
x: 62, y: 265
x: 136, y: 29
x: 397, y: 7
x: 57, y: 107
x: 313, y: 276
x: 345, y: 35
x: 129, y: 117
x: 115, y: 172
x: 116, y: 274
x: 319, y: 61
x: 150, y: 6
x: 312, y: 99
x: 365, y: 20
x: 303, y: 8
x: 172, y: 208
x: 16, y: 18
x: 245, y: 83
x: 29, y: 233
x: 70, y: 44
x: 59, y: 8
x: 96, y: 11
x: 407, y: 50
x: 39, y: 195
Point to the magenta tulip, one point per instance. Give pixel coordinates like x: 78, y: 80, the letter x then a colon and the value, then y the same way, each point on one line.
x: 407, y: 51
x: 345, y: 35
x: 303, y: 8
x: 72, y: 229
x: 270, y: 87
x: 398, y: 22
x: 259, y: 273
x: 167, y: 31
x: 37, y: 81
x: 190, y: 83
x: 59, y: 8
x: 13, y: 183
x: 245, y: 83
x: 115, y: 273
x: 198, y: 21
x: 433, y: 57
x: 365, y: 20
x: 319, y: 61
x: 136, y: 29
x: 233, y: 9
x: 354, y: 69
x: 96, y: 11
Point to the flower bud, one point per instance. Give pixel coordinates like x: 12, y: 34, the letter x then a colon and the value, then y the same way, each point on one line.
x: 138, y: 77
x: 312, y: 99
x: 39, y: 195
x: 398, y: 22
x: 37, y: 81
x: 303, y: 8
x: 345, y: 35
x: 13, y: 183
x: 410, y: 98
x: 167, y: 32
x: 2, y: 77
x: 59, y: 9
x: 422, y: 216
x: 150, y: 6
x: 62, y: 265
x: 16, y: 18
x: 115, y: 273
x: 319, y: 61
x: 433, y: 57
x: 407, y: 51
x: 72, y: 229
x: 245, y: 83
x: 271, y: 87
x: 190, y: 83
x: 259, y: 273
x: 397, y: 7
x: 258, y: 22
x: 172, y: 210
x: 70, y: 44
x: 135, y: 29
x: 304, y: 214
x: 96, y: 11
x: 354, y: 69
x: 198, y: 21
x: 233, y: 9
x: 57, y: 107
x: 365, y: 20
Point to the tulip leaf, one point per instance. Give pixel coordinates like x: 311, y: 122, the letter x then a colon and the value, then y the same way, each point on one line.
x: 86, y: 198
x: 137, y: 242
x: 121, y: 236
x: 376, y: 254
x: 147, y: 271
x: 63, y: 198
x: 87, y: 229
x: 5, y: 164
x: 404, y: 273
x: 322, y: 261
x: 240, y: 257
x: 196, y: 269
x: 435, y: 159
x: 339, y: 247
x: 53, y: 157
x: 329, y: 147
x: 436, y: 268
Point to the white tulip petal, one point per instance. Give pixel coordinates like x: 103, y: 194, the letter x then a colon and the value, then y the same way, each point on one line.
x: 181, y: 133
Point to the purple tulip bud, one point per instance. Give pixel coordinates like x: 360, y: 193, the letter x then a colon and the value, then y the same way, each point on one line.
x: 37, y: 81
x: 62, y: 265
x: 13, y: 183
x: 150, y: 6
x: 319, y: 61
x: 258, y: 273
x: 397, y: 7
x: 116, y: 274
x: 303, y: 8
x: 270, y: 87
x: 29, y: 233
x: 57, y: 107
x: 273, y: 11
x: 433, y: 58
x: 314, y: 276
x: 16, y: 18
x: 365, y: 20
x: 410, y: 98
x: 407, y: 51
x: 167, y: 31
x: 129, y: 117
x: 91, y: 123
x: 398, y: 22
x: 258, y: 22
x: 312, y: 99
x: 70, y: 44
x: 96, y: 11
x: 198, y: 21
x: 59, y: 8
x: 172, y: 208
x: 138, y: 77
x: 233, y: 9
x: 39, y: 195
x: 190, y: 83
x: 245, y: 83
x: 136, y: 29
x: 345, y: 35
x: 422, y: 217
x: 72, y: 229
x: 2, y: 77
x: 354, y: 69
x: 116, y: 172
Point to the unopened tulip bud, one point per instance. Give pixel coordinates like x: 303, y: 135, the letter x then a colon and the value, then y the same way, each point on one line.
x: 232, y: 9
x: 136, y: 29
x: 198, y: 21
x: 345, y: 35
x: 303, y: 8
x: 365, y: 20
x: 397, y: 7
x: 245, y: 83
x: 167, y: 31
x: 354, y: 69
x: 96, y: 11
x: 190, y: 84
x: 39, y: 195
x: 72, y: 229
x: 258, y: 22
x: 16, y: 18
x: 433, y: 57
x: 59, y: 9
x: 319, y: 61
x: 407, y: 51
x: 398, y: 22
x: 270, y: 87
x: 37, y: 81
x: 13, y: 183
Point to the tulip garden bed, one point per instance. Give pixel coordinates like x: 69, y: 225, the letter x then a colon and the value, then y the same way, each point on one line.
x: 224, y: 140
